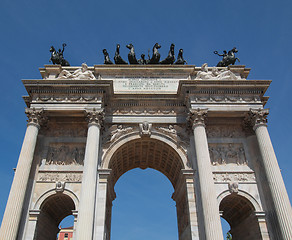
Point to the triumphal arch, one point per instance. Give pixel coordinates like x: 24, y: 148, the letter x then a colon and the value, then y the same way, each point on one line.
x: 204, y: 128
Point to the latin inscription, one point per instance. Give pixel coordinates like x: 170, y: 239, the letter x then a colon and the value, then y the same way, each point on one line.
x: 145, y: 85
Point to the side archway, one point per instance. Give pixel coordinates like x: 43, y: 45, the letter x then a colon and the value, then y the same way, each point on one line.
x: 52, y: 211
x: 240, y: 213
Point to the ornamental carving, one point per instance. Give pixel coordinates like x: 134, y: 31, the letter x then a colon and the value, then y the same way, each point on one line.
x: 257, y: 117
x: 36, y: 117
x: 145, y: 129
x: 65, y: 154
x: 227, y: 131
x: 234, y: 177
x: 59, y: 177
x: 197, y: 117
x: 94, y: 116
x: 227, y: 99
x: 224, y: 153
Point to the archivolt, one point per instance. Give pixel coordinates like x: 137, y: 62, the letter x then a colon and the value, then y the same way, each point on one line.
x: 156, y: 152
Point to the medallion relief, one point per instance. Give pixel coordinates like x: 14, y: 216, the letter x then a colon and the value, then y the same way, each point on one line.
x: 227, y: 153
x: 65, y: 154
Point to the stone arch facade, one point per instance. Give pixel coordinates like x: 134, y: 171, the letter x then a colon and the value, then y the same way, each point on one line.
x: 212, y: 133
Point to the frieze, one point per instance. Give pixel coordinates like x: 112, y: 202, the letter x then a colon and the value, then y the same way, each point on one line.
x: 227, y: 99
x: 59, y: 177
x: 227, y: 153
x: 65, y: 99
x: 147, y: 111
x: 234, y: 177
x: 227, y: 131
x: 65, y: 154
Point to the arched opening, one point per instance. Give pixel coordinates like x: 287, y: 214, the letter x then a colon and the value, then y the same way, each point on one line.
x: 240, y: 214
x: 52, y: 211
x: 143, y: 208
x: 151, y: 153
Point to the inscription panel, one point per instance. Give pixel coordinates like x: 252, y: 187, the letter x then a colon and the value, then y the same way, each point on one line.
x: 146, y: 85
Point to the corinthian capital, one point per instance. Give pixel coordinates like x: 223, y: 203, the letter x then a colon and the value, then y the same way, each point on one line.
x: 94, y: 116
x: 35, y: 117
x: 257, y: 117
x: 197, y: 117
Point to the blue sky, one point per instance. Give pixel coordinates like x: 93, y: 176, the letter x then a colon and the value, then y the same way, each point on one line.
x: 261, y: 30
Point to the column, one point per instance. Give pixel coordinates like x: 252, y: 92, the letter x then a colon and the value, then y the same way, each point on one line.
x: 13, y: 211
x: 275, y: 181
x: 85, y: 219
x: 210, y: 208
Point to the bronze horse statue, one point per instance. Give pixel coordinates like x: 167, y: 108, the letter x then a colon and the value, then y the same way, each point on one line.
x: 228, y: 58
x: 57, y: 57
x: 180, y: 59
x: 106, y: 57
x: 131, y: 56
x: 118, y: 59
x: 171, y: 57
x: 155, y: 54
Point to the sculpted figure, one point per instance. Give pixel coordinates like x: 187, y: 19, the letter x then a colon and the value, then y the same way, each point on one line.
x: 57, y: 57
x: 215, y: 74
x: 131, y: 55
x: 155, y: 54
x: 145, y: 129
x: 204, y: 73
x: 106, y: 57
x: 233, y: 187
x: 81, y: 73
x: 171, y: 57
x: 228, y: 58
x: 180, y: 58
x: 118, y: 59
x: 142, y: 60
x: 115, y: 134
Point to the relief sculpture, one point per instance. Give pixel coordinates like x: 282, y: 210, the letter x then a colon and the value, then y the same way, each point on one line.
x: 227, y: 154
x: 59, y: 177
x: 65, y: 154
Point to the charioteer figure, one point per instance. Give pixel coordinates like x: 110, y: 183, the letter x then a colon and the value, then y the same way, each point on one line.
x: 228, y: 58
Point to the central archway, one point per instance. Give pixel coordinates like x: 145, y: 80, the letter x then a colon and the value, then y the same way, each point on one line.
x: 156, y: 154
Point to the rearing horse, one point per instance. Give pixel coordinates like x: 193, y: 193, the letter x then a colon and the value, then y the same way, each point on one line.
x: 228, y: 58
x: 57, y: 57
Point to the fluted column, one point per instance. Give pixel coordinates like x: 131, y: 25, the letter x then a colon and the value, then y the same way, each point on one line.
x: 85, y: 219
x: 274, y: 178
x: 212, y: 223
x: 13, y: 211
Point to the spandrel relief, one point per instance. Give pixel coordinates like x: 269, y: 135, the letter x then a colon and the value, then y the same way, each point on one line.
x: 224, y: 131
x: 65, y: 154
x: 227, y: 153
x: 114, y: 132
